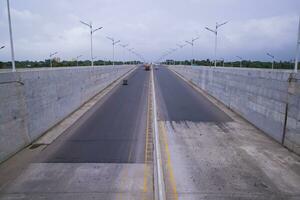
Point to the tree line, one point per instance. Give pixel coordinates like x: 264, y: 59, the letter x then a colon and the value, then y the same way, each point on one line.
x: 46, y: 63
x: 245, y: 63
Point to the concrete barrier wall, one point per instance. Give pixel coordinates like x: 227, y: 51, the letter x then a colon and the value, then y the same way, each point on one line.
x: 292, y: 136
x: 32, y: 101
x: 268, y: 99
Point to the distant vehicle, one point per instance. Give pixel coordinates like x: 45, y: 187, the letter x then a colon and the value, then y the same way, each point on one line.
x: 147, y: 67
x: 125, y: 82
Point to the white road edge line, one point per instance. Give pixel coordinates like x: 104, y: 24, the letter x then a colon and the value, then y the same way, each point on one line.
x: 160, y: 176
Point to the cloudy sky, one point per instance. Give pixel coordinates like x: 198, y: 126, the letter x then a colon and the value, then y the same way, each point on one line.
x: 151, y: 27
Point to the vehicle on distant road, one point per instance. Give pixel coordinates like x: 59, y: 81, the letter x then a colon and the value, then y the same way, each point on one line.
x: 147, y: 67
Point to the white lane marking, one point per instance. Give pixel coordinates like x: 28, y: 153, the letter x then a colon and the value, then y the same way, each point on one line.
x: 160, y: 176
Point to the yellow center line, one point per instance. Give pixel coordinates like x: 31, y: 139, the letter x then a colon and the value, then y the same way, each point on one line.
x: 169, y: 164
x: 146, y: 174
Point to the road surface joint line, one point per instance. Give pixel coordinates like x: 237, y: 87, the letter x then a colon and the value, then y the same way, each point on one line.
x: 158, y: 162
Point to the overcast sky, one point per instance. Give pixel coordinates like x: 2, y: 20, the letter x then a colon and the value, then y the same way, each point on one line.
x: 151, y: 27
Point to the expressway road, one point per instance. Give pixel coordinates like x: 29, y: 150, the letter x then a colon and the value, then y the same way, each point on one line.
x: 208, y: 152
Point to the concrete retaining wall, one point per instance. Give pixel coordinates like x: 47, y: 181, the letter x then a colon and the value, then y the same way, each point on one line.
x: 268, y: 99
x: 32, y: 101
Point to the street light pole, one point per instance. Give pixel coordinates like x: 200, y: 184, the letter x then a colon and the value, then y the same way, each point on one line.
x: 273, y: 58
x: 172, y: 51
x: 113, y: 44
x: 181, y: 46
x: 52, y: 54
x: 124, y: 47
x: 216, y: 37
x: 131, y: 51
x: 241, y: 59
x: 297, y: 49
x: 11, y: 39
x: 192, y: 44
x: 92, y: 31
x: 94, y: 58
x: 77, y: 59
x: 223, y: 61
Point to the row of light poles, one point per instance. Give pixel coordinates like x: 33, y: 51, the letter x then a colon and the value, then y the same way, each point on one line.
x: 92, y: 31
x: 268, y: 54
x: 191, y: 42
x: 113, y: 42
x: 215, y: 32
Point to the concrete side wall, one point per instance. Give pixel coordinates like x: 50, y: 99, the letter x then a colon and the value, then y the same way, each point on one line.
x: 292, y: 136
x: 260, y: 96
x: 31, y: 102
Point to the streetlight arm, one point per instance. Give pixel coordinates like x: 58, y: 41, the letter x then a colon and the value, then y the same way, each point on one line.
x: 219, y: 25
x: 112, y: 39
x: 52, y: 54
x: 195, y: 39
x: 116, y: 42
x: 123, y: 45
x: 210, y: 30
x: 97, y: 29
x: 271, y: 55
x: 189, y: 42
x: 89, y: 25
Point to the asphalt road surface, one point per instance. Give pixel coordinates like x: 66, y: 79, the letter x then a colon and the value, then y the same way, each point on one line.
x: 178, y: 101
x: 114, y: 132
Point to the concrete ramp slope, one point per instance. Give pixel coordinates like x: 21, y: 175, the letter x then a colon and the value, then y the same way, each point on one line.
x: 32, y: 101
x: 269, y: 99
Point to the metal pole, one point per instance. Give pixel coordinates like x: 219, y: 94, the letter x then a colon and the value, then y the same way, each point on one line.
x: 11, y: 39
x: 91, y: 26
x: 297, y: 49
x: 216, y: 41
x: 192, y: 61
x: 113, y: 53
